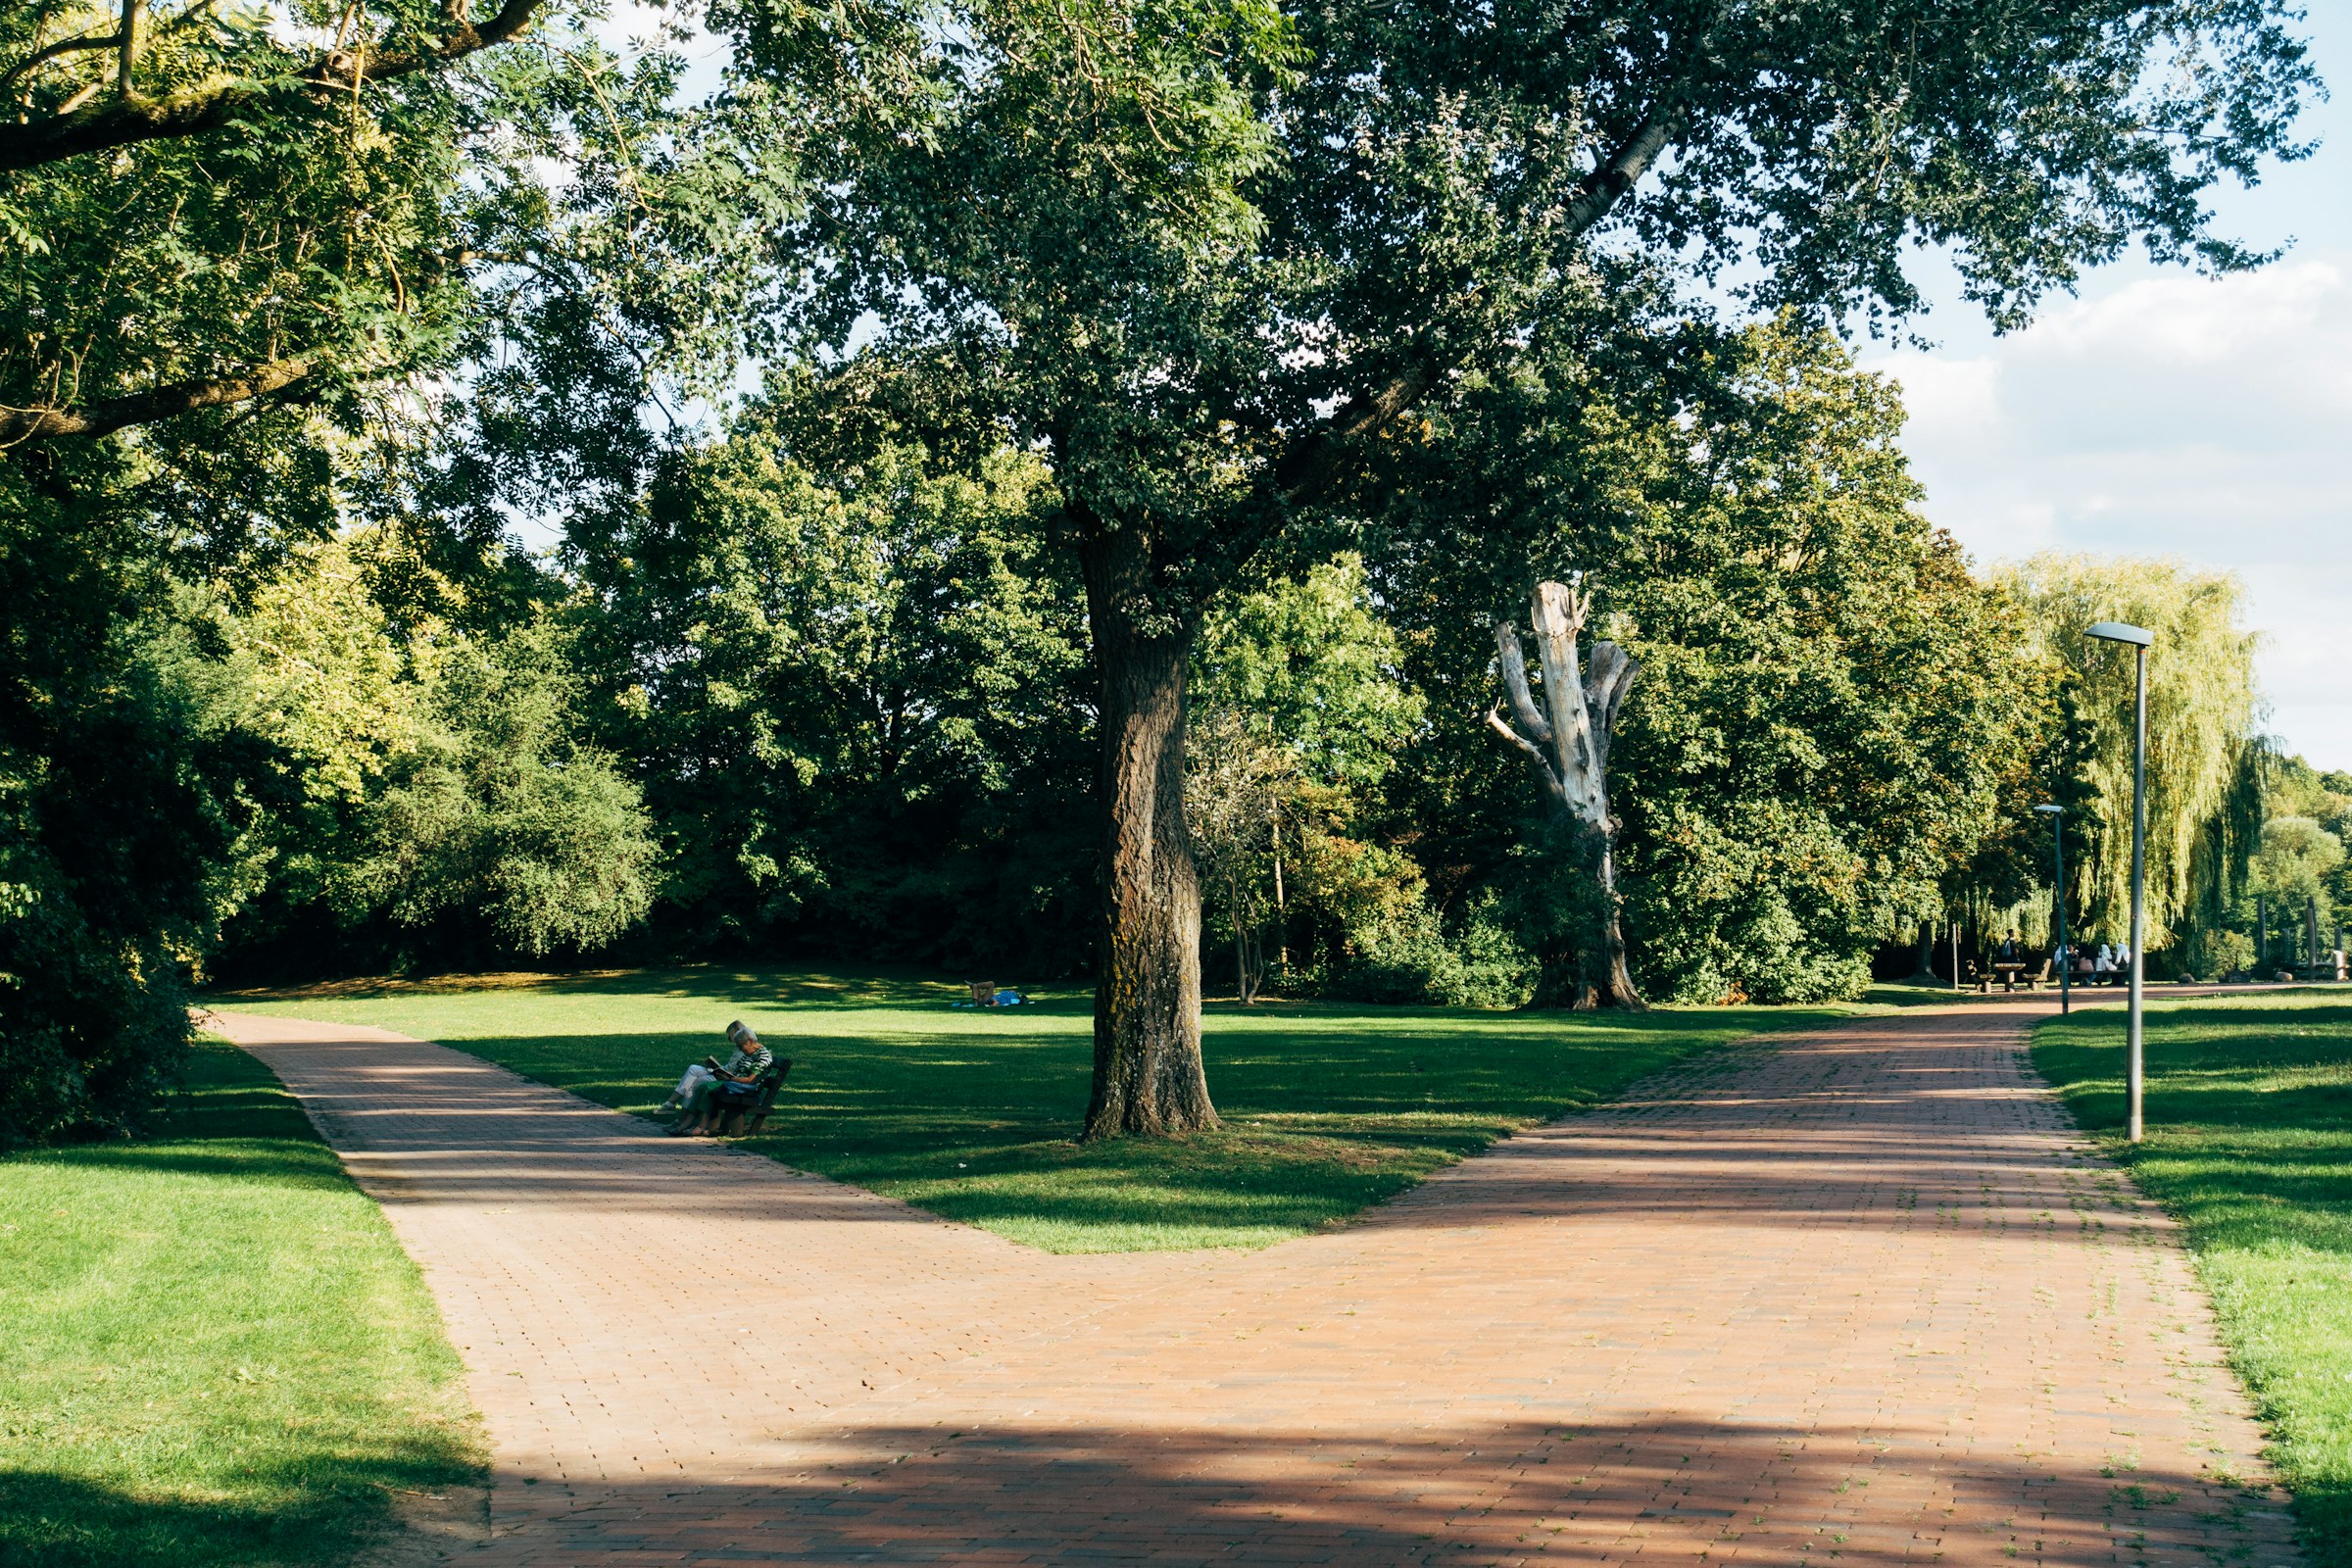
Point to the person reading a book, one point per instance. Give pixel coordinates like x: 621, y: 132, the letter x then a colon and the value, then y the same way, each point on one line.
x: 749, y: 1059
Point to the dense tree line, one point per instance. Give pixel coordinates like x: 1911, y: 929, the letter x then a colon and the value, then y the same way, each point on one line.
x: 936, y: 415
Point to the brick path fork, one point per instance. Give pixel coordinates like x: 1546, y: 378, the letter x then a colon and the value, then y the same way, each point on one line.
x: 1859, y: 1295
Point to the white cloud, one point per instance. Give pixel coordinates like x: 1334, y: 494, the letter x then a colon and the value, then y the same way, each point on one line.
x: 2209, y: 420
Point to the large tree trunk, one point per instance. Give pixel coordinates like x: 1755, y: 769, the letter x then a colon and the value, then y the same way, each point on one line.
x: 1148, y: 1072
x: 1923, y: 973
x: 1567, y: 738
x: 1619, y: 981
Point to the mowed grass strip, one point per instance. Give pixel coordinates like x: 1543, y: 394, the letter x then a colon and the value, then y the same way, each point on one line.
x: 212, y: 1348
x: 2249, y: 1142
x: 1328, y: 1109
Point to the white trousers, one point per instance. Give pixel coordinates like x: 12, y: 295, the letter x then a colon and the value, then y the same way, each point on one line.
x: 696, y: 1076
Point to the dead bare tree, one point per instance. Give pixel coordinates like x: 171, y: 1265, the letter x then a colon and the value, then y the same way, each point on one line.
x: 1567, y: 738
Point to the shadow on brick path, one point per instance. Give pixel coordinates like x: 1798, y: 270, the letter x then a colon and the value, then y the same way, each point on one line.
x: 1672, y: 1488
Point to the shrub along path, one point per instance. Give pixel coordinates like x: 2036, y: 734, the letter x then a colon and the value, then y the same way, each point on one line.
x: 1862, y: 1297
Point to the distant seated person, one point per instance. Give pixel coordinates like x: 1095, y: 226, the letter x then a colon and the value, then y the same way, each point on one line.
x: 749, y: 1060
x: 2010, y: 952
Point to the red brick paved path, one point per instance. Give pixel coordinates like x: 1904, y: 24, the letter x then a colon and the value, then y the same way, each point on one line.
x: 1858, y: 1297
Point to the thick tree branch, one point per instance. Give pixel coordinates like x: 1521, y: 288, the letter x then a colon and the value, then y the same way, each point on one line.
x: 1514, y: 679
x: 1502, y: 728
x: 130, y: 118
x: 1312, y: 465
x: 1602, y: 190
x: 1608, y: 677
x: 20, y: 425
x: 63, y: 46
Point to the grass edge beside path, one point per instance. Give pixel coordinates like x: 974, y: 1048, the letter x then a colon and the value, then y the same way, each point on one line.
x: 1329, y: 1109
x: 2249, y: 1148
x: 213, y: 1351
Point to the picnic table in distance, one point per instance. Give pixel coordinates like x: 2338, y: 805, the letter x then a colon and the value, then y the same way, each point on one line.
x: 2011, y: 970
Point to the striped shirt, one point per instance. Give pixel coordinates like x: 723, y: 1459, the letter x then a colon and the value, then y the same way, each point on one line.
x: 746, y: 1063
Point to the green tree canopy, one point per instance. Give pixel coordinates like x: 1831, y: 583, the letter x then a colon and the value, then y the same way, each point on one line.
x: 1299, y: 709
x: 852, y: 686
x: 2204, y: 751
x: 211, y: 205
x: 1204, y: 257
x: 2295, y: 866
x: 128, y: 782
x: 437, y: 796
x: 1313, y: 668
x: 1831, y: 709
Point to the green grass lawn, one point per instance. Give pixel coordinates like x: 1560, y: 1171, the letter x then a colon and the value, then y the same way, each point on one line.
x: 970, y: 1114
x: 2249, y: 1142
x: 212, y: 1350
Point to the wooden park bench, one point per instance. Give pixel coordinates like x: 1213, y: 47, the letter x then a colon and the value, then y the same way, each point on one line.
x: 2009, y: 975
x: 739, y: 1111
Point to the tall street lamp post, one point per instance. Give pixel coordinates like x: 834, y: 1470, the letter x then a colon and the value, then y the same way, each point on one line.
x: 2066, y: 946
x: 2139, y: 637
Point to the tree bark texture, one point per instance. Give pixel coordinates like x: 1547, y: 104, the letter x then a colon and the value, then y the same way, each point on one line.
x: 1567, y: 738
x: 1148, y: 1079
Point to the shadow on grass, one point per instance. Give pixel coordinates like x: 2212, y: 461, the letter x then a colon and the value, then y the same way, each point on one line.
x: 325, y: 1510
x: 229, y: 1117
x: 225, y: 1094
x: 277, y: 1160
x: 2274, y: 1065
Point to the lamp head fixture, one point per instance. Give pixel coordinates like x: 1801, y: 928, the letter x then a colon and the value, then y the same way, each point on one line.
x: 2052, y: 810
x: 2118, y: 631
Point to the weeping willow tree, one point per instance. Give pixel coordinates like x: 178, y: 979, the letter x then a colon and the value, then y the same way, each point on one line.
x: 2204, y: 754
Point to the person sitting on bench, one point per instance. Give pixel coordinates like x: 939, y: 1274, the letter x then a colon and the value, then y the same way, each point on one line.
x: 750, y: 1058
